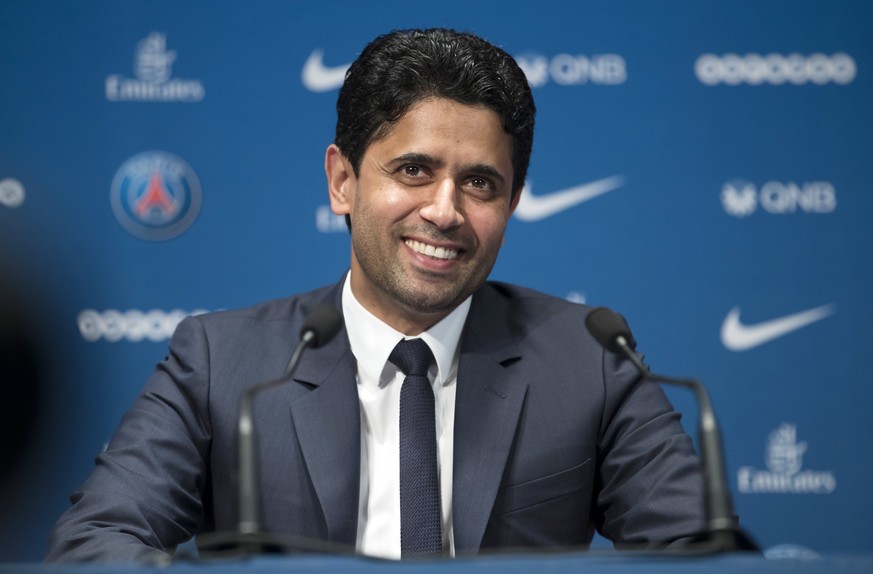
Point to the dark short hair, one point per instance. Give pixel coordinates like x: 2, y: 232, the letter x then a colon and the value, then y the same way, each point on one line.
x: 399, y: 69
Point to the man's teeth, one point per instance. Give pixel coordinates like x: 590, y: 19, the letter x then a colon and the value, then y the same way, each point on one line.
x: 431, y: 251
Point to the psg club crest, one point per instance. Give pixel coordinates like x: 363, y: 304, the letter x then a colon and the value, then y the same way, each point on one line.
x: 155, y: 195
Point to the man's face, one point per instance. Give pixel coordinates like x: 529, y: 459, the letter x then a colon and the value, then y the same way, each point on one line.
x: 428, y: 208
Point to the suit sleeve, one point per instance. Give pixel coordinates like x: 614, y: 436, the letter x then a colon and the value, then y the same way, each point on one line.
x: 146, y: 494
x: 650, y: 491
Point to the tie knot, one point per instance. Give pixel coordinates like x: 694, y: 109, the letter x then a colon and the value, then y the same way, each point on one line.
x: 412, y: 356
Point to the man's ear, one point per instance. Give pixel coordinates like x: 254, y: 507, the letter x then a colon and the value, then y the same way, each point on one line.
x: 340, y: 180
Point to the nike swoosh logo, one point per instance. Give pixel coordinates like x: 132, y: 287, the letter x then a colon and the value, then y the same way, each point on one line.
x: 320, y: 78
x: 739, y: 337
x: 536, y: 207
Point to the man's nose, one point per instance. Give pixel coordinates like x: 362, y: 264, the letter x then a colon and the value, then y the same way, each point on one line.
x: 443, y: 207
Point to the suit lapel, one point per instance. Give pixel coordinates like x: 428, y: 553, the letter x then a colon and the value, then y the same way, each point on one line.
x: 327, y: 422
x: 487, y: 407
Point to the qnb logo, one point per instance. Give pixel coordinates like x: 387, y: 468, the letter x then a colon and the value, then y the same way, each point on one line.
x: 775, y: 69
x: 153, y: 67
x: 573, y: 70
x: 11, y: 193
x: 133, y: 326
x: 742, y: 198
x: 785, y: 474
x: 155, y: 195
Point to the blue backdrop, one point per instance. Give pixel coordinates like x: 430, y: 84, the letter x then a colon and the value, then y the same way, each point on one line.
x: 703, y: 167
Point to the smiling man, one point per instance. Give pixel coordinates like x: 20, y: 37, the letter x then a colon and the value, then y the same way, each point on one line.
x: 451, y: 415
x: 430, y: 202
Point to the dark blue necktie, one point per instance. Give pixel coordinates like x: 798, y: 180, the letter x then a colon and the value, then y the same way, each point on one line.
x: 420, y: 527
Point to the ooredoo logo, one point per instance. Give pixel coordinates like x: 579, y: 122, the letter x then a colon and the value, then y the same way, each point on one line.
x: 775, y: 69
x: 134, y: 326
x: 155, y: 195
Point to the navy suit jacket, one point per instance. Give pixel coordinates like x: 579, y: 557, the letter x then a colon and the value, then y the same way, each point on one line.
x: 552, y: 438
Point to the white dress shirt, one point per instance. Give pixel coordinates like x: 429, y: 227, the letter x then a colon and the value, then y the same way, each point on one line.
x: 379, y: 383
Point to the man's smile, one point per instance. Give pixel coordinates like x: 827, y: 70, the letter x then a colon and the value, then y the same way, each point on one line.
x: 431, y: 250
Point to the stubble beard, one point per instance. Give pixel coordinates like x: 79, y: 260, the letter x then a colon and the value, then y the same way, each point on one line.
x: 416, y: 290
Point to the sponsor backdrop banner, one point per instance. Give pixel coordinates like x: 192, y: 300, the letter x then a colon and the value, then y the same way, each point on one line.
x: 705, y: 168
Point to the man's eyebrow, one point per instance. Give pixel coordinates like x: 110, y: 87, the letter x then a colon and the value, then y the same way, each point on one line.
x: 419, y: 158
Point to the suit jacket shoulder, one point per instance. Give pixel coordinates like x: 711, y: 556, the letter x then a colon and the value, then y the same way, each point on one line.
x: 588, y: 439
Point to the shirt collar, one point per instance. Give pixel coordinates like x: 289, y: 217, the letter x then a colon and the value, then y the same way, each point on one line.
x: 372, y: 340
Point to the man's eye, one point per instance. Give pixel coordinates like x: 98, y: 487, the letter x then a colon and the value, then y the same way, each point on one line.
x: 412, y: 170
x: 481, y: 187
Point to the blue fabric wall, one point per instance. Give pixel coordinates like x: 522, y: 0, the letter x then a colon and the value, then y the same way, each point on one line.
x: 731, y: 144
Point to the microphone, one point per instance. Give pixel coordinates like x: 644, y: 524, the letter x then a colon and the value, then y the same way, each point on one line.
x: 319, y: 328
x: 723, y: 533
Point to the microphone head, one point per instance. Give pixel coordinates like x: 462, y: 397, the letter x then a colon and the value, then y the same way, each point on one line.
x: 607, y: 326
x: 323, y: 323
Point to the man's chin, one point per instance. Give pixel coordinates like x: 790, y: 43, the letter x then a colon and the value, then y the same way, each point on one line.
x: 425, y: 303
x: 432, y: 307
